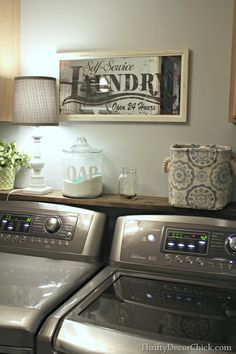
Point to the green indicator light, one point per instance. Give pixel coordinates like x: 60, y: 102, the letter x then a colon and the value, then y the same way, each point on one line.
x: 203, y: 237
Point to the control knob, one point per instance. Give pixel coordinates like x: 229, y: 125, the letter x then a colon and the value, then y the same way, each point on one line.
x: 230, y: 244
x: 52, y: 225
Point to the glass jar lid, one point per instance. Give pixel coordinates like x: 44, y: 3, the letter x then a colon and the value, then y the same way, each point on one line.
x: 82, y: 147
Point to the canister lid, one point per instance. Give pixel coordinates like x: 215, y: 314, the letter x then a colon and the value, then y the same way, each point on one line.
x: 82, y: 147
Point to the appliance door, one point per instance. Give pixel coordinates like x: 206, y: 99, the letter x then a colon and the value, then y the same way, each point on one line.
x: 131, y: 314
x: 30, y: 289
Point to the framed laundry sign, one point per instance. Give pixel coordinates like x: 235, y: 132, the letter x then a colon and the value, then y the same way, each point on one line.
x: 143, y: 86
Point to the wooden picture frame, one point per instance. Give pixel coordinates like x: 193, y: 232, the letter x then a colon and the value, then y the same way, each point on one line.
x: 232, y: 99
x: 138, y: 86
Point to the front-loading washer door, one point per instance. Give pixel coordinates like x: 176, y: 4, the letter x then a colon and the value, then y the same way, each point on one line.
x: 31, y: 288
x: 138, y: 315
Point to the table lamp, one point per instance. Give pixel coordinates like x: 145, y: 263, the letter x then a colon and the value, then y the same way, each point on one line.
x: 35, y: 103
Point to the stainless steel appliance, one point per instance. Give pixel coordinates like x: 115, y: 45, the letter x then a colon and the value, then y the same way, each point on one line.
x: 170, y: 287
x: 47, y: 252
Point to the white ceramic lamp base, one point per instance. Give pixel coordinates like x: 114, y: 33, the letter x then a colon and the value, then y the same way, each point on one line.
x: 37, y: 185
x: 37, y: 190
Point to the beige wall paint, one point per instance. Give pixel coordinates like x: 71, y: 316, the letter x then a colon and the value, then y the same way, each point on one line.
x: 203, y: 26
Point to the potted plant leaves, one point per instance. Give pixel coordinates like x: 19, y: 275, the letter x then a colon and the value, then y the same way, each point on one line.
x: 10, y: 160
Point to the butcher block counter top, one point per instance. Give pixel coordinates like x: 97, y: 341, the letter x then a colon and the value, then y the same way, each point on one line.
x: 113, y: 204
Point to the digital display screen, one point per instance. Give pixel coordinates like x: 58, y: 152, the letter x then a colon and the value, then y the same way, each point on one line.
x: 186, y: 241
x: 16, y: 222
x: 184, y: 300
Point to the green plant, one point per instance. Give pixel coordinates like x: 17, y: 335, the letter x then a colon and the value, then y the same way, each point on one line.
x: 11, y: 158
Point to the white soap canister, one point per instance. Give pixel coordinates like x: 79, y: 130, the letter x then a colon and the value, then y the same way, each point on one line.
x: 82, y: 170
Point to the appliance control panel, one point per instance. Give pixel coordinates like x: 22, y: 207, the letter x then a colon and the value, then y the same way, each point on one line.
x: 183, y: 298
x: 177, y: 242
x: 54, y: 226
x: 40, y: 228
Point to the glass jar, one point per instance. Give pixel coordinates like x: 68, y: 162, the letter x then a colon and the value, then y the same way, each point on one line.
x: 128, y: 183
x: 82, y: 170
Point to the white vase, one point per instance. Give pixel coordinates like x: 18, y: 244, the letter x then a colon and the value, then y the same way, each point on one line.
x: 22, y: 177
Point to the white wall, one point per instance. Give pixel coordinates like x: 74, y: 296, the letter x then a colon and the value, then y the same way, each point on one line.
x: 203, y: 26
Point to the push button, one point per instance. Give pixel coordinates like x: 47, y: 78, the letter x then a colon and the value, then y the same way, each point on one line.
x: 200, y: 261
x: 211, y: 263
x: 179, y: 259
x: 151, y: 238
x: 68, y: 235
x: 169, y: 257
x: 230, y: 264
x: 189, y: 260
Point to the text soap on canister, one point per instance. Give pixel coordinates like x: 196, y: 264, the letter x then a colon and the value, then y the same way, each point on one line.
x: 82, y: 170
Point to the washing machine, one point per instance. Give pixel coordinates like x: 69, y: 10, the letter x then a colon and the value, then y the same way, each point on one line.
x: 47, y: 252
x: 170, y: 287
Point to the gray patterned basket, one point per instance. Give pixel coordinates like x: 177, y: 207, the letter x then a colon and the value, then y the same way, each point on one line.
x: 200, y: 176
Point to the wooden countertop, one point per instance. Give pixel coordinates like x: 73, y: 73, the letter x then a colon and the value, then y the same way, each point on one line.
x: 105, y: 200
x: 143, y: 204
